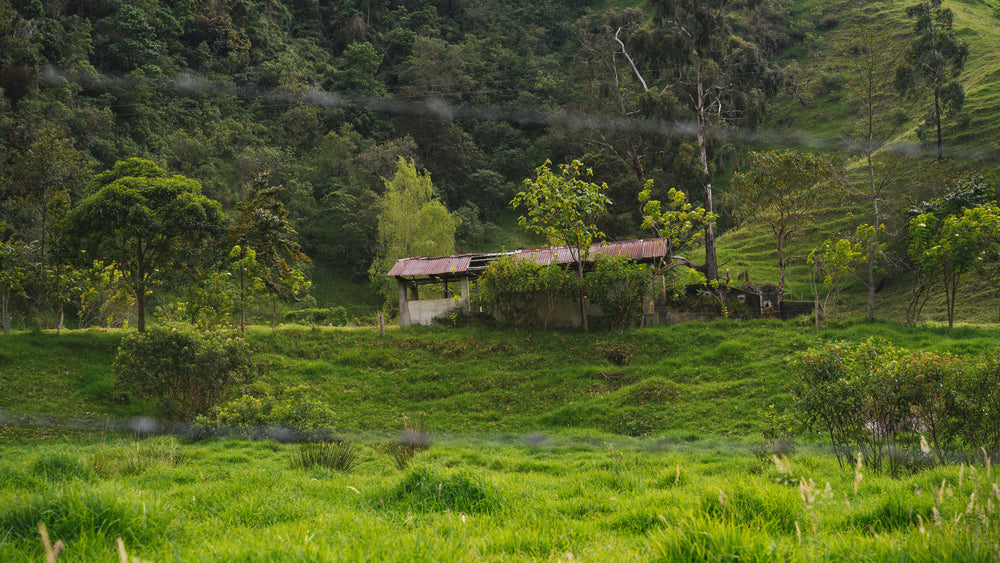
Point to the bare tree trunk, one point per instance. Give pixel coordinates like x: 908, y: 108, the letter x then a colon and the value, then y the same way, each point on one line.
x: 583, y: 298
x: 140, y: 305
x: 711, y: 262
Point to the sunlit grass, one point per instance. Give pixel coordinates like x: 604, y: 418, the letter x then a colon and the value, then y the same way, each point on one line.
x: 514, y: 497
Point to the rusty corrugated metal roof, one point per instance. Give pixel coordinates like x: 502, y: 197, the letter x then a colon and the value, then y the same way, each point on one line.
x: 422, y: 266
x: 641, y: 250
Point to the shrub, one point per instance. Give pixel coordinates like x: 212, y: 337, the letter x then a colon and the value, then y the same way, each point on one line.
x: 511, y: 288
x: 185, y: 371
x: 871, y: 398
x: 618, y: 285
x: 288, y: 414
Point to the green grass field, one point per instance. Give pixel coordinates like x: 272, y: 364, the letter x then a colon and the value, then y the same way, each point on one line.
x: 543, y: 448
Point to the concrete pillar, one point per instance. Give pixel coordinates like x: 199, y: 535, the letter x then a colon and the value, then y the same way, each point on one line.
x: 465, y: 300
x: 404, y: 305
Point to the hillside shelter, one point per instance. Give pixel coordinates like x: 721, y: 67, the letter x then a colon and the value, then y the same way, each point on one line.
x: 460, y: 271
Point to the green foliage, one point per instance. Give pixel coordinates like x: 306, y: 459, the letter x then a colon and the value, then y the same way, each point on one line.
x: 266, y: 257
x: 286, y: 413
x: 412, y: 222
x: 782, y: 189
x: 832, y: 261
x: 563, y: 207
x: 512, y: 289
x: 934, y: 61
x: 184, y: 371
x: 866, y: 397
x: 947, y: 243
x: 680, y: 225
x: 14, y: 272
x: 618, y: 286
x: 144, y: 224
x: 330, y: 316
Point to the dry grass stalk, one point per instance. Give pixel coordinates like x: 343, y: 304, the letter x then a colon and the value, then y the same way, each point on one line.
x: 51, y: 551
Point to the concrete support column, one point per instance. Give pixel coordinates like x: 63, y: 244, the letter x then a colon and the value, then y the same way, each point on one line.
x: 466, y: 301
x: 404, y: 304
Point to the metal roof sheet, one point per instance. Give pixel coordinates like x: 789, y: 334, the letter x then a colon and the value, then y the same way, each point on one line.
x: 644, y: 249
x: 423, y: 266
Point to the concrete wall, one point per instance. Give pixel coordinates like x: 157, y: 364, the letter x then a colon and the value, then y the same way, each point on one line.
x: 425, y: 311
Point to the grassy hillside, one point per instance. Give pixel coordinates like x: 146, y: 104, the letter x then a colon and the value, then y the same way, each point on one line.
x: 683, y: 382
x: 819, y: 71
x: 526, y: 458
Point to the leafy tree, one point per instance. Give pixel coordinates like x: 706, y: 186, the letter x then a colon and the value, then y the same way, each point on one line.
x: 949, y: 247
x: 46, y: 172
x: 266, y: 254
x: 412, y: 222
x: 781, y: 189
x: 146, y: 225
x: 725, y: 79
x: 14, y: 271
x: 564, y: 207
x: 871, y: 56
x: 934, y: 61
x: 832, y: 261
x: 681, y: 226
x: 135, y: 43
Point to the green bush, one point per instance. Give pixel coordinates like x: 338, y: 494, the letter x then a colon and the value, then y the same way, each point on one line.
x: 332, y: 316
x: 883, y: 402
x: 513, y: 288
x: 618, y: 286
x: 287, y: 414
x: 185, y: 371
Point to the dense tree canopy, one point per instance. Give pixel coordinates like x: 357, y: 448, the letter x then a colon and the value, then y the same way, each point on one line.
x: 143, y: 224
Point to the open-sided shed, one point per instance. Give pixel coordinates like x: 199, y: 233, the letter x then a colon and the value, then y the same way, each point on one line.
x: 460, y: 271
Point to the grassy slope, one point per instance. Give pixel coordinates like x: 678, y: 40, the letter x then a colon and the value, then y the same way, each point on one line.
x: 682, y: 382
x: 751, y: 247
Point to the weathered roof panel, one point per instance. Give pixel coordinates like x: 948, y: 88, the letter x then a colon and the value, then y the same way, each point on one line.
x: 423, y: 266
x: 641, y: 250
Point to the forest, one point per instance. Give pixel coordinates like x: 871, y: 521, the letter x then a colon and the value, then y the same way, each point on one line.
x: 271, y: 131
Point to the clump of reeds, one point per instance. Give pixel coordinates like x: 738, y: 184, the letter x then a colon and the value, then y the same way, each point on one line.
x: 413, y: 439
x: 338, y: 455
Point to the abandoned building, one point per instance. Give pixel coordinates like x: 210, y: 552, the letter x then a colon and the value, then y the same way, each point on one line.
x: 456, y: 276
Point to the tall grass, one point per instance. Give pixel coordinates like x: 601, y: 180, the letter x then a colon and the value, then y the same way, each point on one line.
x: 502, y: 497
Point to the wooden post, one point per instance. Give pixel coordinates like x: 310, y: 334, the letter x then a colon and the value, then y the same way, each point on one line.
x: 381, y: 323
